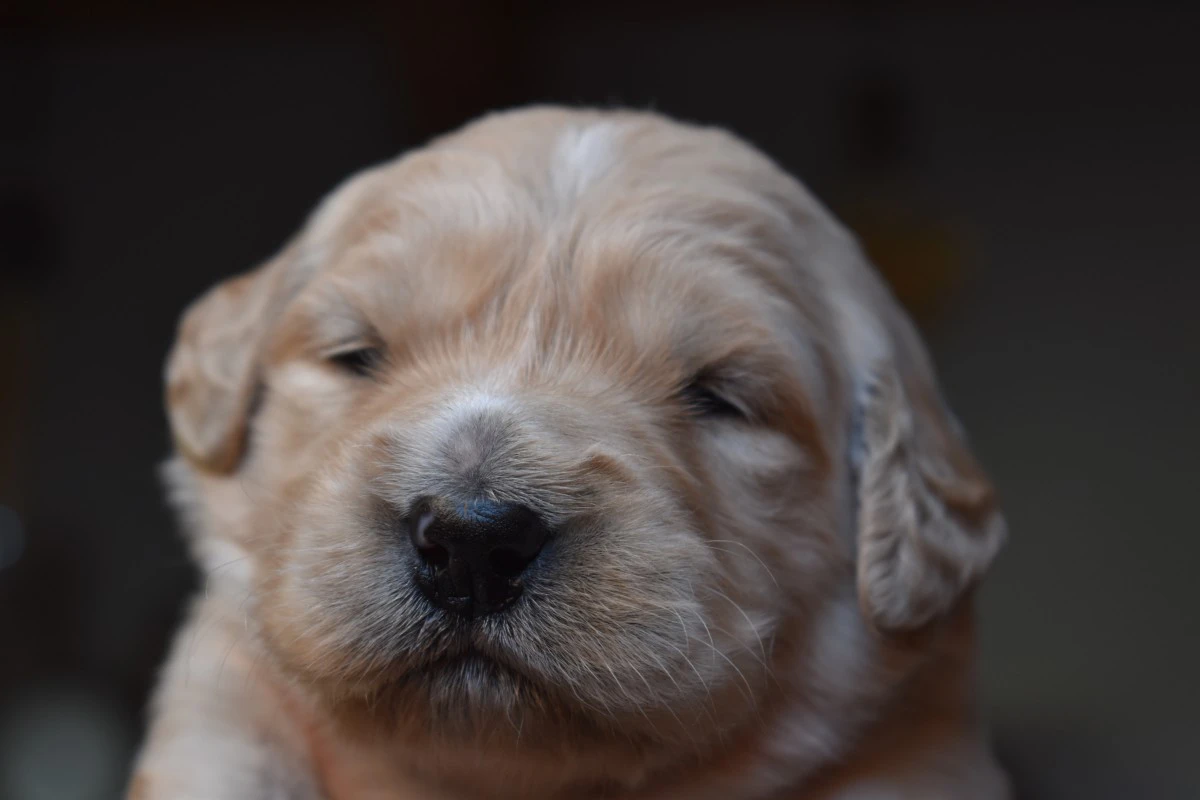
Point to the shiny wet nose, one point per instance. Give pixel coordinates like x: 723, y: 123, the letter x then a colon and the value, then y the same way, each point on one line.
x: 472, y: 554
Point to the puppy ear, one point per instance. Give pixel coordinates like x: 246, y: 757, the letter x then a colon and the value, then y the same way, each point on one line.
x: 928, y: 524
x: 212, y: 371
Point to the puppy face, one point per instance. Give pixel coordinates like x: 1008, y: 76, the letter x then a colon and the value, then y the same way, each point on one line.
x: 557, y: 433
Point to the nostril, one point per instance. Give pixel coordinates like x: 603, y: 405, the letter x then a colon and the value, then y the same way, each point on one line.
x: 507, y: 563
x: 432, y: 553
x: 435, y: 556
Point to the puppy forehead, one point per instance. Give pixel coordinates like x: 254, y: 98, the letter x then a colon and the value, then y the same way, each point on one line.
x: 598, y: 249
x: 580, y: 218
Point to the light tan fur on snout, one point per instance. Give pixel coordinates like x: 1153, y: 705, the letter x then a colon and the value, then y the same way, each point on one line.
x: 772, y: 601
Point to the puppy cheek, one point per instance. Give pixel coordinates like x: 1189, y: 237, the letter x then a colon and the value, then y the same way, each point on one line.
x: 305, y: 407
x: 332, y: 575
x: 777, y: 546
x: 711, y: 602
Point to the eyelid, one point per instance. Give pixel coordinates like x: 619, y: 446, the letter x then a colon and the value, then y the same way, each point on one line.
x: 361, y: 358
x: 349, y: 347
x: 703, y: 389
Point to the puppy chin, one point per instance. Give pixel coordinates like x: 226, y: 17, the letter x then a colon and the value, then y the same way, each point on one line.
x: 478, y: 692
x: 480, y: 686
x: 454, y: 694
x: 473, y: 702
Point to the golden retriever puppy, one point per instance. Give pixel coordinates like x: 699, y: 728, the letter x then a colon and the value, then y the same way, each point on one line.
x: 577, y: 454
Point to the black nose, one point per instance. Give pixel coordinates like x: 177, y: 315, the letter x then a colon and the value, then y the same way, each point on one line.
x: 473, y: 554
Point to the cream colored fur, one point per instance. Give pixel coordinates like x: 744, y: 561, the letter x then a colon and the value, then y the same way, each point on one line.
x: 771, y: 604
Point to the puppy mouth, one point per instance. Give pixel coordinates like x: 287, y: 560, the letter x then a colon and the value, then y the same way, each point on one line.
x: 471, y: 660
x: 473, y: 678
x: 471, y: 654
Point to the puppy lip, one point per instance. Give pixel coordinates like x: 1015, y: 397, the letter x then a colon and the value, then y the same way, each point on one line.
x: 474, y: 656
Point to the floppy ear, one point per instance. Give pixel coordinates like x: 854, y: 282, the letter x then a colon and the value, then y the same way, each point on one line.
x: 928, y: 524
x: 212, y: 371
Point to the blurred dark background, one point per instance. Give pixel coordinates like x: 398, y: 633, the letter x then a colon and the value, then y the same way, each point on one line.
x: 1025, y: 174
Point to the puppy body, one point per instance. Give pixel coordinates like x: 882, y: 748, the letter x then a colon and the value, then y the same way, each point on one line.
x: 766, y: 524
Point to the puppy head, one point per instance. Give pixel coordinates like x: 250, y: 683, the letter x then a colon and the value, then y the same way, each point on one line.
x: 556, y: 432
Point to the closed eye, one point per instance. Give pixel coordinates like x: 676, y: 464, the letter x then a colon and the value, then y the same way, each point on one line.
x: 705, y: 401
x: 362, y: 361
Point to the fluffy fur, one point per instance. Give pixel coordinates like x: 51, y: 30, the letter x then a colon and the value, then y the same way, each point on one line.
x: 773, y: 603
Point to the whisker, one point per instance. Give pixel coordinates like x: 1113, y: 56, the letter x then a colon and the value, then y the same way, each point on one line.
x: 753, y: 555
x: 729, y: 661
x: 754, y: 628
